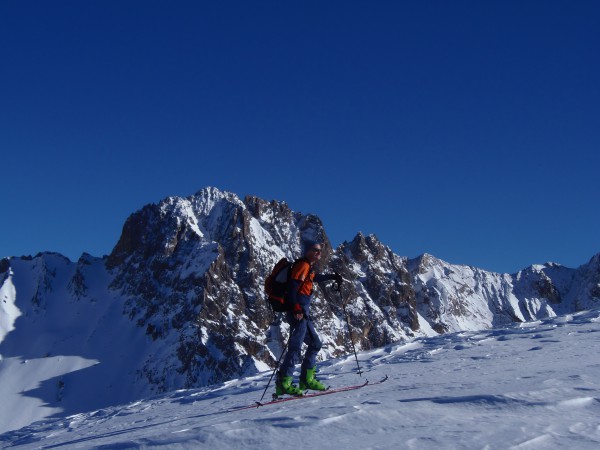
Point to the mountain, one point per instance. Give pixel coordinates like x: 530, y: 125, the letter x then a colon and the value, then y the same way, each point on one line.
x: 178, y: 303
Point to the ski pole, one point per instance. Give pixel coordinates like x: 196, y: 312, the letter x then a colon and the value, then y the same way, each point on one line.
x: 339, y: 289
x: 276, y: 367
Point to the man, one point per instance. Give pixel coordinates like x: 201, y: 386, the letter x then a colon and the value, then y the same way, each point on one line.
x: 302, y: 329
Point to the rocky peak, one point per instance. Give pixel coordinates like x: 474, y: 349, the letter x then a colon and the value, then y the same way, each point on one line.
x: 202, y: 261
x: 594, y: 264
x: 364, y: 247
x: 423, y: 263
x: 585, y: 293
x: 383, y: 276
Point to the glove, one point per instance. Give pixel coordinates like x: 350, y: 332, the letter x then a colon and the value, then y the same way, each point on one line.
x: 337, y: 278
x: 298, y: 312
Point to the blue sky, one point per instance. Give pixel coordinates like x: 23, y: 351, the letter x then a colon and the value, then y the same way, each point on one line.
x: 469, y: 130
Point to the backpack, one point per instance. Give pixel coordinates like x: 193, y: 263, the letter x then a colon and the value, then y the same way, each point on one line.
x: 276, y: 286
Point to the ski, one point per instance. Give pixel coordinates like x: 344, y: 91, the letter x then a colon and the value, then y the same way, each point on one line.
x: 328, y: 391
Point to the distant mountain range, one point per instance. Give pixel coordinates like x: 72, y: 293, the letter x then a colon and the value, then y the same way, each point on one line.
x: 179, y: 301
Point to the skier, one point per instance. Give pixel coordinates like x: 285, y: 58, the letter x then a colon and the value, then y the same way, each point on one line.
x: 302, y: 329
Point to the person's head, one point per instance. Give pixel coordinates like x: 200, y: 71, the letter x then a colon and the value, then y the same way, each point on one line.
x: 312, y: 251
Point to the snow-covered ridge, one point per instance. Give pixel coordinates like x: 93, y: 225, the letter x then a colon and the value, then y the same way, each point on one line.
x: 180, y: 299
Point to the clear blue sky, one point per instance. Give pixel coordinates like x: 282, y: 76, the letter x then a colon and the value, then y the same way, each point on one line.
x: 465, y: 129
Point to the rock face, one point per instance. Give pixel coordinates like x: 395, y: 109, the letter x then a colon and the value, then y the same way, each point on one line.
x: 186, y: 278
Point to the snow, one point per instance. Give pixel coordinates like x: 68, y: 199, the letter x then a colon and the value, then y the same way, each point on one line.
x: 8, y: 310
x: 24, y: 381
x: 526, y: 386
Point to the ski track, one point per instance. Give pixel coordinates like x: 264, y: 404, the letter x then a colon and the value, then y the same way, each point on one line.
x: 528, y: 386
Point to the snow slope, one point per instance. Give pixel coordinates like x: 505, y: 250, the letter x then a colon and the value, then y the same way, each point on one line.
x: 528, y: 386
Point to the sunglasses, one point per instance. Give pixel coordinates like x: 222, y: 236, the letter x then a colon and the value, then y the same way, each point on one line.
x: 316, y: 250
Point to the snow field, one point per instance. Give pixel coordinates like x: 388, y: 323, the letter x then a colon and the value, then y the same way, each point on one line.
x: 533, y: 386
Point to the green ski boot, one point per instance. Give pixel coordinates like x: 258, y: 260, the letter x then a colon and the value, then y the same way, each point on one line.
x: 310, y: 382
x: 284, y: 386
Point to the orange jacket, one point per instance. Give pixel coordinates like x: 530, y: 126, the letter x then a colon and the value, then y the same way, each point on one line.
x: 303, y: 273
x: 300, y: 287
